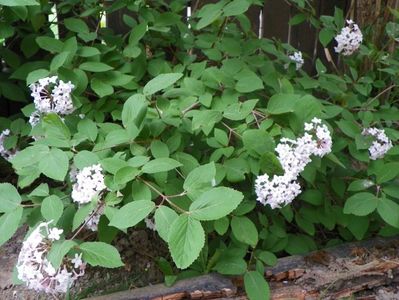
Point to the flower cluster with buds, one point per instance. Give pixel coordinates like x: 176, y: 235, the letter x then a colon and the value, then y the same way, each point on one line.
x: 297, y: 59
x: 293, y: 155
x: 51, y: 95
x: 6, y: 153
x: 36, y: 270
x: 380, y: 145
x: 349, y: 39
x: 89, y: 182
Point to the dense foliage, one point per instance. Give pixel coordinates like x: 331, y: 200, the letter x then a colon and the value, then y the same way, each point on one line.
x: 172, y: 123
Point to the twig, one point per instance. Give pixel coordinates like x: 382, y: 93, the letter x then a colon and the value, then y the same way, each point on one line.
x: 190, y: 108
x: 164, y: 197
x: 87, y: 221
x: 231, y: 129
x: 381, y: 93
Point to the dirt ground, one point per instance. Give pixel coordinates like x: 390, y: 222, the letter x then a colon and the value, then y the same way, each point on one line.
x: 139, y: 250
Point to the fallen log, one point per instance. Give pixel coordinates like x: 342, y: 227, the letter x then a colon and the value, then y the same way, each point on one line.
x: 332, y: 273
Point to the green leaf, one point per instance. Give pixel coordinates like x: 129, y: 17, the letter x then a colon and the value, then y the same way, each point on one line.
x: 160, y: 165
x: 256, y: 286
x: 270, y: 164
x: 85, y: 159
x: 30, y: 156
x: 164, y: 218
x: 208, y: 14
x: 88, y: 128
x: 50, y: 44
x: 361, y: 204
x: 267, y: 257
x: 231, y: 265
x: 215, y: 204
x: 58, y: 61
x: 36, y: 75
x: 54, y: 127
x: 248, y: 82
x: 314, y: 197
x: 125, y: 174
x: 101, y: 88
x: 239, y: 111
x: 18, y: 2
x: 134, y: 110
x: 82, y: 213
x: 131, y: 214
x: 101, y: 254
x: 205, y: 119
x: 94, y: 66
x: 55, y: 165
x: 52, y: 208
x: 221, y: 225
x: 86, y: 51
x: 360, y: 185
x: 58, y: 250
x: 159, y: 149
x: 9, y: 224
x: 9, y: 197
x: 258, y: 142
x: 199, y: 180
x: 161, y: 82
x: 235, y: 8
x: 325, y: 36
x: 236, y: 168
x: 244, y: 230
x: 41, y: 191
x: 348, y: 127
x: 392, y: 190
x: 137, y: 33
x: 358, y: 226
x: 186, y: 239
x: 76, y: 25
x: 282, y: 103
x: 387, y: 172
x: 389, y: 211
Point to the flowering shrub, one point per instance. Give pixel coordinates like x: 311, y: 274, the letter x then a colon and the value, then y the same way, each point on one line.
x: 174, y: 126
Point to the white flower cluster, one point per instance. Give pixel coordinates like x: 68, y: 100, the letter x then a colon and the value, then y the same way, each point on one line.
x: 51, y: 95
x: 293, y: 155
x: 380, y: 145
x: 89, y: 183
x: 349, y: 39
x: 37, y: 272
x: 297, y: 59
x: 6, y: 153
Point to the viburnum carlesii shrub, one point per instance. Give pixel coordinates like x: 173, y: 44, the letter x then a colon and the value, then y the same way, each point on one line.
x: 293, y: 155
x: 349, y: 39
x: 380, y: 145
x: 51, y: 95
x: 296, y: 57
x: 89, y: 183
x: 6, y: 153
x: 35, y: 269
